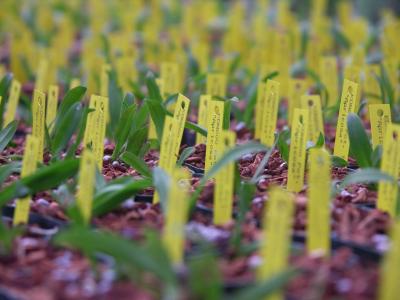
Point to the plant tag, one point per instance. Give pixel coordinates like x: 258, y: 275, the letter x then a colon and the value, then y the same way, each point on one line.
x: 258, y: 113
x: 170, y: 77
x: 75, y: 82
x: 276, y: 236
x: 224, y: 180
x: 38, y: 119
x: 216, y: 84
x: 202, y: 117
x: 297, y: 152
x: 41, y: 75
x: 318, y: 207
x: 347, y: 105
x: 29, y: 164
x: 270, y: 113
x: 380, y: 116
x: 52, y: 101
x: 315, y: 121
x: 180, y: 115
x: 104, y: 80
x: 87, y: 181
x: 96, y: 128
x: 390, y: 164
x: 176, y: 215
x: 330, y: 78
x: 389, y: 287
x: 297, y: 88
x: 12, y: 103
x: 214, y: 128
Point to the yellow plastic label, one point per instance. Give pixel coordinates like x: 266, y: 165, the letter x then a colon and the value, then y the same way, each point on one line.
x: 258, y: 113
x: 214, y: 128
x: 29, y: 164
x: 52, y: 101
x: 41, y: 75
x: 176, y: 215
x: 371, y: 84
x: 270, y: 113
x: 167, y: 159
x: 87, y: 180
x: 170, y: 77
x: 297, y: 152
x: 330, y: 78
x: 104, y: 80
x: 75, y: 82
x: 347, y: 105
x: 12, y: 103
x: 297, y: 88
x: 216, y: 84
x: 38, y: 119
x: 96, y: 128
x: 390, y: 164
x: 202, y: 117
x: 224, y: 180
x: 318, y: 207
x: 315, y: 120
x: 180, y: 115
x: 389, y: 287
x: 276, y: 236
x: 380, y: 117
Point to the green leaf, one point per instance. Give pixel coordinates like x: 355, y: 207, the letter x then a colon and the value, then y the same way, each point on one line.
x: 263, y: 289
x: 7, y: 237
x: 136, y: 140
x: 338, y: 161
x: 155, y: 104
x: 261, y: 167
x: 73, y: 96
x: 8, y: 169
x: 127, y: 254
x: 282, y: 144
x: 376, y: 156
x: 124, y: 127
x: 45, y: 178
x: 367, y: 175
x: 185, y: 155
x: 81, y: 132
x: 226, y: 124
x: 196, y: 128
x: 161, y: 181
x: 106, y: 201
x: 136, y: 163
x: 360, y: 146
x: 67, y: 126
x: 7, y: 134
x: 115, y: 99
x: 251, y: 96
x: 5, y: 84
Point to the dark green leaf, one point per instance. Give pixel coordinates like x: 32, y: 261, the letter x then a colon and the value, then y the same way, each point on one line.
x: 367, y: 175
x: 5, y: 84
x: 45, y: 178
x: 338, y: 162
x: 360, y: 147
x: 73, y: 96
x: 7, y: 134
x: 185, y: 155
x: 136, y: 163
x: 8, y: 169
x: 137, y: 140
x: 196, y: 128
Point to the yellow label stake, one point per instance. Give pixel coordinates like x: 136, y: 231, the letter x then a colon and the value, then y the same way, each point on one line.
x: 12, y: 103
x: 329, y: 77
x: 318, y: 208
x: 176, y: 215
x: 380, y: 117
x: 347, y: 105
x: 52, y: 101
x: 224, y: 180
x: 214, y: 128
x: 216, y: 84
x: 389, y: 288
x: 297, y: 153
x: 258, y: 113
x: 270, y: 113
x: 202, y: 117
x: 180, y: 115
x: 29, y: 164
x: 87, y: 180
x: 170, y: 77
x: 387, y: 191
x: 38, y: 119
x: 276, y: 237
x: 96, y: 128
x: 315, y: 121
x: 297, y: 88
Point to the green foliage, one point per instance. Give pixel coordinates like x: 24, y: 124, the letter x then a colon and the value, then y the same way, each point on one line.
x: 46, y: 177
x: 137, y: 163
x: 5, y: 84
x: 161, y: 181
x: 7, y: 237
x: 360, y: 146
x: 7, y: 134
x: 8, y: 169
x: 185, y: 155
x: 283, y: 144
x: 367, y: 175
